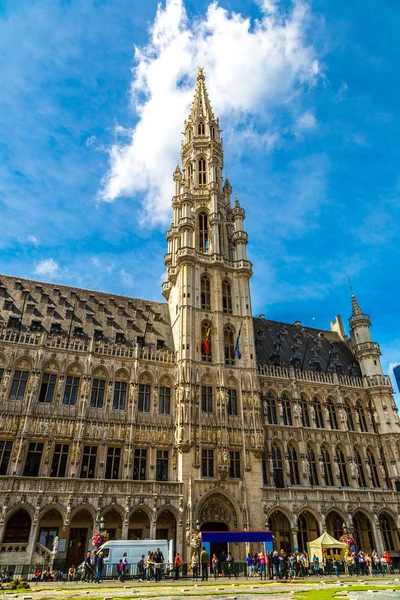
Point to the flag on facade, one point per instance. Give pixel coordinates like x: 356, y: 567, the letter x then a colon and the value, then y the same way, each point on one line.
x: 206, y: 344
x: 237, y: 349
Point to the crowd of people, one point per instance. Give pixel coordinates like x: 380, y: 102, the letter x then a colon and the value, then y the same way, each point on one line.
x: 282, y: 565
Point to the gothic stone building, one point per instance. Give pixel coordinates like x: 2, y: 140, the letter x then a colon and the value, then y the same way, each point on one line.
x: 114, y: 410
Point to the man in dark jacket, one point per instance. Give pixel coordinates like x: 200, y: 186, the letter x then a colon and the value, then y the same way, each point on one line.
x: 158, y: 558
x: 204, y: 560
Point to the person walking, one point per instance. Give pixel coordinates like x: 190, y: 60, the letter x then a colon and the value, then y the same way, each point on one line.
x: 204, y: 560
x: 120, y: 570
x: 230, y: 562
x: 149, y: 566
x: 158, y: 558
x: 87, y: 568
x: 249, y: 560
x: 195, y: 566
x: 214, y: 565
x: 315, y: 562
x: 177, y: 565
x: 99, y: 567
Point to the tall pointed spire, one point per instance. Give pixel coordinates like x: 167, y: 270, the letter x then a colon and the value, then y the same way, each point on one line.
x: 201, y: 106
x: 355, y: 307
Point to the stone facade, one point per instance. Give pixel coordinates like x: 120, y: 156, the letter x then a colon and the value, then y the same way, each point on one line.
x: 114, y: 410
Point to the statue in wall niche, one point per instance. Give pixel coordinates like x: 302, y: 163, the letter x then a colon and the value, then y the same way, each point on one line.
x: 305, y: 466
x: 6, y: 377
x: 369, y: 470
x: 337, y: 470
x: 394, y: 468
x: 296, y: 410
x: 174, y: 461
x: 383, y: 470
x: 225, y: 457
x: 353, y: 469
x: 376, y: 416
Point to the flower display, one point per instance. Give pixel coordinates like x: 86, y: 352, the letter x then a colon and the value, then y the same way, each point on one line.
x: 346, y: 539
x: 100, y: 538
x: 195, y: 540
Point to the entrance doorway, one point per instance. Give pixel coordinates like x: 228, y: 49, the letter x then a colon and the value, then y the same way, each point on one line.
x: 77, y: 546
x: 216, y: 547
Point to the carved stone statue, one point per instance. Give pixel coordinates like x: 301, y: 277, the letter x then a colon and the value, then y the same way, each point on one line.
x: 56, y: 544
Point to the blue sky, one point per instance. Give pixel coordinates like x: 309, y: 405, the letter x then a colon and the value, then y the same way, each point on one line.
x: 92, y: 101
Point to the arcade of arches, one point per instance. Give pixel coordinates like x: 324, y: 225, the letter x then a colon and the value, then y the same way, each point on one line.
x: 22, y: 534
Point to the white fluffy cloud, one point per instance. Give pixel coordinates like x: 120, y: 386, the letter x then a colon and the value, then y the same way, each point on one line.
x: 251, y: 67
x: 32, y: 239
x: 47, y: 267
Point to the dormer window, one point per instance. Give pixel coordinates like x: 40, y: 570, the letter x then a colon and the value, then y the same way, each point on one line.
x: 119, y: 337
x: 36, y: 325
x: 201, y: 128
x: 202, y: 172
x: 78, y: 331
x: 160, y: 344
x: 13, y: 322
x: 98, y: 334
x: 55, y: 328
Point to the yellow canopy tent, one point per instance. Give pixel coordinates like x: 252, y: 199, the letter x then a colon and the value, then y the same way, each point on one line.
x: 326, y: 545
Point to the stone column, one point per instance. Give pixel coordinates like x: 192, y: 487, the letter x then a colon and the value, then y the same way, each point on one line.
x: 295, y: 538
x: 377, y: 536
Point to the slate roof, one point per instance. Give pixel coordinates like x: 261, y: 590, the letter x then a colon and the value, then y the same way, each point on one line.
x: 35, y: 306
x: 284, y: 344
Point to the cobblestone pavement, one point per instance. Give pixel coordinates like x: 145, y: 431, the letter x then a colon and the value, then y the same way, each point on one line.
x: 226, y: 590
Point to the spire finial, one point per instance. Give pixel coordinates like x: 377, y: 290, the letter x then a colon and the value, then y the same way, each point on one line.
x: 350, y: 286
x: 200, y: 74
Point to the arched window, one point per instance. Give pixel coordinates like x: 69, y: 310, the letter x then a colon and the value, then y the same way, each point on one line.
x: 374, y: 469
x: 212, y: 132
x: 333, y: 424
x: 201, y: 130
x: 386, y: 529
x: 226, y: 297
x: 189, y: 169
x: 361, y: 414
x: 18, y: 528
x: 344, y: 479
x: 205, y: 293
x: 286, y: 410
x: 313, y: 466
x: 47, y: 388
x: 349, y: 415
x: 302, y: 532
x: 319, y: 419
x: 229, y: 346
x: 206, y: 342
x: 270, y: 409
x: 18, y: 385
x: 203, y: 233
x: 277, y: 466
x: 334, y: 525
x: 305, y: 415
x: 360, y: 469
x: 202, y: 172
x: 326, y: 461
x: 293, y: 465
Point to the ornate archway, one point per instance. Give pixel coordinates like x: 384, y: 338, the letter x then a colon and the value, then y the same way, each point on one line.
x: 18, y: 528
x: 334, y: 524
x: 50, y: 526
x: 217, y: 508
x: 281, y: 531
x: 308, y: 529
x: 139, y: 525
x: 363, y: 532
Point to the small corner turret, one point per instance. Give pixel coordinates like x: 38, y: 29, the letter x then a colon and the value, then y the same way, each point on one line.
x: 365, y: 350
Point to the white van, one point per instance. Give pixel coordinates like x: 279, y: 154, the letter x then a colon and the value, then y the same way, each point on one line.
x: 114, y: 550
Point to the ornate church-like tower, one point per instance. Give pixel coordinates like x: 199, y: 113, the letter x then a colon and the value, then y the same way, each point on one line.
x: 218, y: 421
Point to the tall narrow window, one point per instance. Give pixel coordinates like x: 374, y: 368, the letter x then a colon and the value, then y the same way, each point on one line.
x: 361, y: 414
x: 387, y: 532
x: 190, y: 174
x: 226, y: 297
x: 277, y: 466
x: 333, y: 424
x: 328, y: 474
x: 319, y: 419
x: 313, y: 467
x: 212, y: 132
x: 71, y: 390
x: 144, y: 398
x: 360, y: 468
x: 229, y: 346
x: 234, y: 470
x: 47, y: 388
x: 5, y: 454
x: 89, y: 462
x: 305, y: 415
x: 19, y: 385
x: 344, y: 479
x: 60, y: 459
x: 162, y: 465
x: 232, y: 406
x: 98, y: 391
x: 201, y: 128
x: 202, y: 172
x: 164, y: 400
x: 119, y: 395
x: 113, y: 462
x: 206, y: 342
x: 374, y: 469
x: 286, y: 410
x: 203, y: 233
x: 207, y: 463
x: 206, y: 399
x: 139, y: 464
x: 264, y: 469
x: 33, y: 459
x: 293, y: 465
x: 349, y: 415
x: 270, y: 409
x: 205, y: 294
